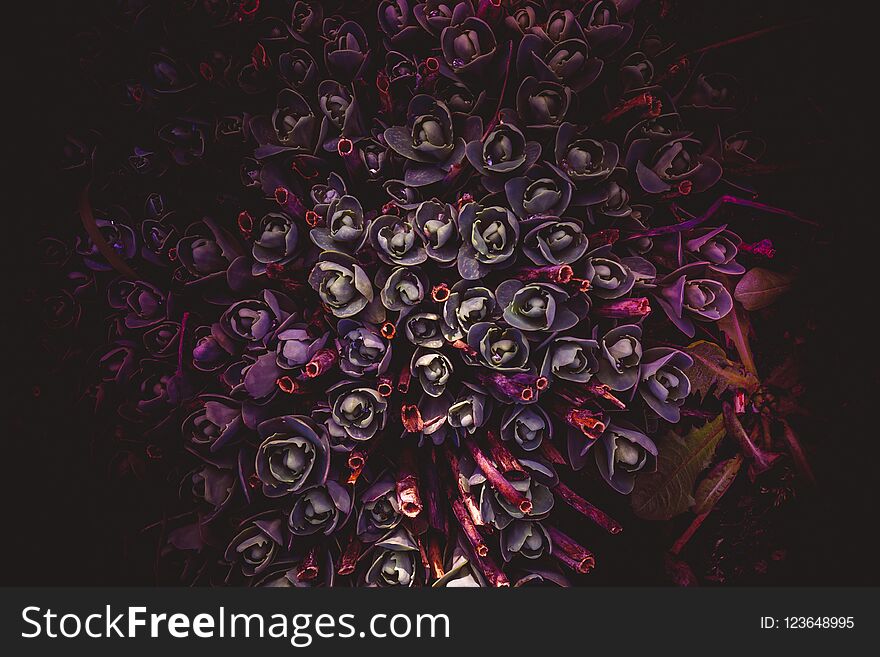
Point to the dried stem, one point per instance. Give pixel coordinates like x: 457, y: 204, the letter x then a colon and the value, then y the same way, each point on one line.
x: 308, y: 567
x: 466, y: 498
x: 436, y: 507
x: 349, y: 558
x: 624, y: 308
x: 682, y: 540
x: 403, y: 380
x: 322, y: 362
x: 583, y: 507
x: 408, y: 486
x: 552, y: 454
x: 761, y: 460
x: 550, y: 274
x: 570, y: 552
x: 435, y: 558
x: 501, y: 455
x: 469, y: 528
x: 496, y: 479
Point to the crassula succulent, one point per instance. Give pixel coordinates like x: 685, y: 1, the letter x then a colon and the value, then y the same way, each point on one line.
x: 464, y: 244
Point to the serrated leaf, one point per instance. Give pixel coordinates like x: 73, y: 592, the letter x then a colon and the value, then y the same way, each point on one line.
x: 712, y: 368
x: 715, y: 484
x: 664, y: 494
x: 760, y: 287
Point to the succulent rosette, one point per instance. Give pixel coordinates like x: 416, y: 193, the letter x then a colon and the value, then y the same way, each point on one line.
x: 527, y: 426
x: 437, y: 224
x: 377, y: 281
x: 489, y: 239
x: 395, y: 561
x: 663, y: 383
x: 468, y: 304
x: 362, y: 350
x: 535, y: 306
x: 500, y: 348
x: 379, y: 511
x: 345, y: 228
x: 341, y: 284
x: 621, y: 454
x: 525, y: 539
x: 686, y: 296
x: 294, y: 453
x: 359, y: 411
x: 571, y: 359
x: 321, y: 508
x: 427, y: 141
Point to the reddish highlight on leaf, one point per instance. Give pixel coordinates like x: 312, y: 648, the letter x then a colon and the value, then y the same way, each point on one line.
x: 259, y: 57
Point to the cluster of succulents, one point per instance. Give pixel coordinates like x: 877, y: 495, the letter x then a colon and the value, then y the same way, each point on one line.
x: 467, y: 246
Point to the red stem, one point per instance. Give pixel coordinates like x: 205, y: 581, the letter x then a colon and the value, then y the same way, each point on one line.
x: 349, y: 558
x: 501, y: 455
x: 408, y: 486
x: 583, y: 507
x: 308, y: 568
x: 682, y: 540
x: 466, y: 498
x: 570, y: 552
x: 469, y: 529
x: 715, y: 207
x: 496, y: 479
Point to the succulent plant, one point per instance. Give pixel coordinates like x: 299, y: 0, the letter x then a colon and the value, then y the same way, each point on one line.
x: 433, y: 279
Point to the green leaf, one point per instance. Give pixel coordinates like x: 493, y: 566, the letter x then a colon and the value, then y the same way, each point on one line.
x: 712, y: 368
x: 760, y: 287
x: 716, y: 483
x: 664, y: 494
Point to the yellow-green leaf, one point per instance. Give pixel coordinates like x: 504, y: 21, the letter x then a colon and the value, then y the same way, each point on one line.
x: 664, y: 494
x: 712, y: 368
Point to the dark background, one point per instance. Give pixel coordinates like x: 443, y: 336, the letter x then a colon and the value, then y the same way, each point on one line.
x: 813, y: 97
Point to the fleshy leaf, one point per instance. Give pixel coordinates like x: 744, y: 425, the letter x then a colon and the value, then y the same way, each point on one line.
x: 761, y: 287
x: 664, y: 494
x: 712, y: 368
